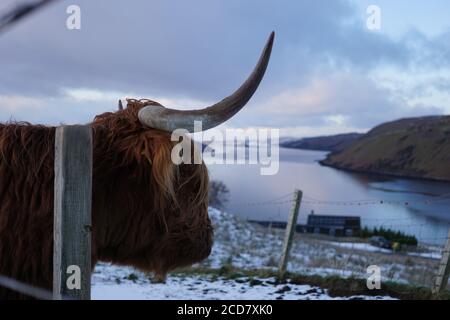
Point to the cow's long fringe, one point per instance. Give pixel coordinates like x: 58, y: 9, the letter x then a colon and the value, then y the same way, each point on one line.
x: 147, y: 211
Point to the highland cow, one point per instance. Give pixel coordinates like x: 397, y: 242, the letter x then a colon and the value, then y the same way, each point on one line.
x: 146, y: 211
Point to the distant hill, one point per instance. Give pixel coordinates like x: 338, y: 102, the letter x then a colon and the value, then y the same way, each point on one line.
x: 414, y: 147
x: 326, y: 143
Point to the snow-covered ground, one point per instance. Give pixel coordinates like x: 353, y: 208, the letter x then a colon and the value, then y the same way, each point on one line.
x: 118, y: 285
x: 243, y: 245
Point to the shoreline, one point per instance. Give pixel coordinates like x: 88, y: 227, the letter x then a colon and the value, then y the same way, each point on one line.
x: 382, y: 173
x: 369, y: 172
x: 385, y: 174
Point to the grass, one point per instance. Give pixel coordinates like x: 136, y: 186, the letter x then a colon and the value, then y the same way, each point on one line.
x: 251, y: 251
x: 336, y: 286
x: 314, y: 251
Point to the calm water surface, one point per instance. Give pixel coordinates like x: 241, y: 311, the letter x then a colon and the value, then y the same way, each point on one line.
x: 413, y: 206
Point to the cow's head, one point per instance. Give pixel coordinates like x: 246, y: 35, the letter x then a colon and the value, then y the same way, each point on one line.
x: 147, y: 211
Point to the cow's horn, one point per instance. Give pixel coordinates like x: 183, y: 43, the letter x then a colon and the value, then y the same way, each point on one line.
x: 165, y: 119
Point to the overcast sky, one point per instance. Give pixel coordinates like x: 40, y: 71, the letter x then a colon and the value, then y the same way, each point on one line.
x: 329, y: 73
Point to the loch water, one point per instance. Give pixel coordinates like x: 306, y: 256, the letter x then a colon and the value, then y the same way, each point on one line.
x: 417, y: 207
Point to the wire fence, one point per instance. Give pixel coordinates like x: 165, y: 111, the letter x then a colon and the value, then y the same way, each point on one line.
x: 25, y: 289
x: 402, y: 223
x: 20, y: 11
x: 287, y: 198
x: 349, y: 257
x: 327, y: 255
x: 417, y: 265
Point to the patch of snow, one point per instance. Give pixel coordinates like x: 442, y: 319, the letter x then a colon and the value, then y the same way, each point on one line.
x: 359, y: 246
x: 428, y: 255
x: 202, y: 287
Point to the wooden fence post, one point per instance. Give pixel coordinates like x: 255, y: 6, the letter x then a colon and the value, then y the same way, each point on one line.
x: 290, y: 232
x: 444, y: 269
x: 72, y: 213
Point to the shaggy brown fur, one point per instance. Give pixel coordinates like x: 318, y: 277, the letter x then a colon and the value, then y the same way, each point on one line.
x: 146, y: 211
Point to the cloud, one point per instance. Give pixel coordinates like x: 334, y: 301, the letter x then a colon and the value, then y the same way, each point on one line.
x: 314, y: 98
x: 182, y: 50
x: 92, y: 95
x: 76, y: 105
x: 337, y: 119
x: 188, y: 56
x: 350, y: 99
x: 332, y: 95
x: 15, y: 102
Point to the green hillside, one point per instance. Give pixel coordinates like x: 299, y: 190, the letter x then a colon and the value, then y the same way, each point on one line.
x: 415, y: 147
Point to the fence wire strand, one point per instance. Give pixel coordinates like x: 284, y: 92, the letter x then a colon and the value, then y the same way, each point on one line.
x: 20, y: 11
x: 26, y: 289
x: 366, y: 202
